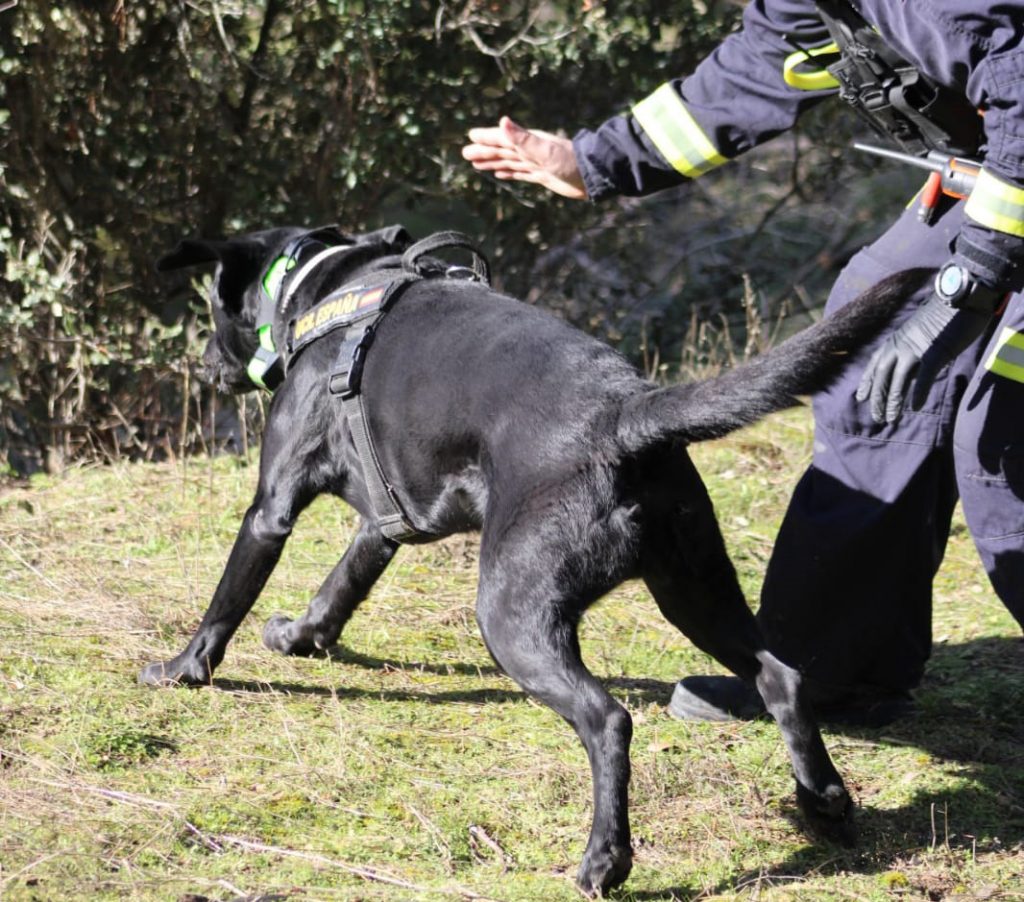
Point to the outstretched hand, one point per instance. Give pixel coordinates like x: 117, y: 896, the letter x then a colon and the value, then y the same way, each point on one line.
x: 511, y: 152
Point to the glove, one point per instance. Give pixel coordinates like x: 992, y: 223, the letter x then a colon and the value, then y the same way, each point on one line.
x: 925, y: 343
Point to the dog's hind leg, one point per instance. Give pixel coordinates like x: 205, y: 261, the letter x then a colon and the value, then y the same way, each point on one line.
x: 347, y: 585
x: 530, y: 631
x: 693, y: 581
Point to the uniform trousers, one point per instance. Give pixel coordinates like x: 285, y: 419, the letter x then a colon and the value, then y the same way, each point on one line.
x: 847, y: 596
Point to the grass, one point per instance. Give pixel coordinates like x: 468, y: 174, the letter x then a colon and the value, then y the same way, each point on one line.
x: 404, y: 765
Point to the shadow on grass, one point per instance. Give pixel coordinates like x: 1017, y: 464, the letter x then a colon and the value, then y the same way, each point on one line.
x: 628, y: 689
x: 970, y: 712
x: 956, y: 823
x: 348, y: 656
x: 430, y: 697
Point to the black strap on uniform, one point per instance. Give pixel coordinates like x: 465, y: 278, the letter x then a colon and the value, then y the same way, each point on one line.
x: 891, y: 94
x: 392, y: 520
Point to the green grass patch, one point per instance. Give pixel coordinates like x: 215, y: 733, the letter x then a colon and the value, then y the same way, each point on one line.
x: 404, y: 765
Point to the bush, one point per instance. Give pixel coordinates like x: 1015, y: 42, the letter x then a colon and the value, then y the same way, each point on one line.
x: 125, y: 126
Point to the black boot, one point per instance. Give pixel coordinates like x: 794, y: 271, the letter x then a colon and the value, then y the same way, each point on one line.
x: 716, y: 698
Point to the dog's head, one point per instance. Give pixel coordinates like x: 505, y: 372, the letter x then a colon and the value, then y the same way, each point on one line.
x: 242, y: 282
x: 235, y: 296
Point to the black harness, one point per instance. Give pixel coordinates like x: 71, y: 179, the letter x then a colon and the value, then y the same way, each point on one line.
x: 892, y: 95
x: 357, y: 308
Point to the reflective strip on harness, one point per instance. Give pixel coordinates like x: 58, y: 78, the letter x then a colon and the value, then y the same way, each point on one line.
x: 275, y: 275
x: 810, y: 79
x: 997, y: 204
x: 1007, y: 357
x: 676, y: 134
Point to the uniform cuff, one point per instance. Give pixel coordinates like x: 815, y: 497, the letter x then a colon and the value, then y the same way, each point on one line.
x: 994, y: 258
x: 596, y: 180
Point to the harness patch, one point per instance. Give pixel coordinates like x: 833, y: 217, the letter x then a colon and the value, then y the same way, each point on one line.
x: 1007, y: 357
x: 335, y: 308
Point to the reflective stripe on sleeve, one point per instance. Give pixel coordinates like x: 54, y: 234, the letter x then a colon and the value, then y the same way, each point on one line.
x: 997, y: 204
x: 668, y: 123
x: 1007, y: 357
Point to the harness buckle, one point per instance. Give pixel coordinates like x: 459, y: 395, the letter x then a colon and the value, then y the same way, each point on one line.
x: 346, y: 382
x: 462, y: 272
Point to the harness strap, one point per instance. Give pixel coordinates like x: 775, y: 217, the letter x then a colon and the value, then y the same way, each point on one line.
x: 345, y: 381
x: 307, y: 268
x: 368, y: 299
x: 442, y: 240
x: 391, y: 517
x: 392, y: 520
x: 357, y: 308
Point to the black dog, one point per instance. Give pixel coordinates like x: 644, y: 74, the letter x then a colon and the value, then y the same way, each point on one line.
x: 486, y: 413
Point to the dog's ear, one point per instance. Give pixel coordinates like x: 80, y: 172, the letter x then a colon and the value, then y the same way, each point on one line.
x: 241, y: 263
x: 241, y: 252
x: 191, y: 252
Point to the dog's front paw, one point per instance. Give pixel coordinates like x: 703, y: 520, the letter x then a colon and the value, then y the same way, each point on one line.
x: 282, y: 634
x: 830, y: 815
x: 173, y: 673
x: 603, y: 868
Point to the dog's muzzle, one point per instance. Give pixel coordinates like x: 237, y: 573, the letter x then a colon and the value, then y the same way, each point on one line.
x: 219, y: 370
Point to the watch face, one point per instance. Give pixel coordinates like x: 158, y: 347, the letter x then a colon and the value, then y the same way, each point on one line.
x: 952, y: 281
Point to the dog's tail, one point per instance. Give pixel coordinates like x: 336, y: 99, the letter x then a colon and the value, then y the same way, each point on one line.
x: 806, y: 363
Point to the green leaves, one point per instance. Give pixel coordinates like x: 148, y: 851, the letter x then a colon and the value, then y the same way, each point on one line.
x: 124, y: 127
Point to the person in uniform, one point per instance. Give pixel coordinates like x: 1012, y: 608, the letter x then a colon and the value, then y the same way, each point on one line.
x: 932, y: 411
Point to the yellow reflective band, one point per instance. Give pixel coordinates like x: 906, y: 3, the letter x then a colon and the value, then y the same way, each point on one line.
x: 1007, y: 357
x: 997, y: 204
x: 811, y: 79
x: 675, y: 133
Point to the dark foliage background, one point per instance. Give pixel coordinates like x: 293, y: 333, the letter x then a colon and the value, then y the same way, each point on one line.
x: 126, y: 126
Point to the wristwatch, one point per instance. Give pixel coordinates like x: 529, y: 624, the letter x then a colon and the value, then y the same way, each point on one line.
x: 957, y: 288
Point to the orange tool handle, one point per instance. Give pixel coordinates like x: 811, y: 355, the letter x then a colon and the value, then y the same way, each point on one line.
x: 959, y: 177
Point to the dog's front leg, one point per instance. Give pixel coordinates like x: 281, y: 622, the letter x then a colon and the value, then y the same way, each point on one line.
x: 265, y: 529
x: 346, y: 586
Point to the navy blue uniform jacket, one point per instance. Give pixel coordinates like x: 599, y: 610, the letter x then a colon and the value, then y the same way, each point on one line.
x: 738, y: 98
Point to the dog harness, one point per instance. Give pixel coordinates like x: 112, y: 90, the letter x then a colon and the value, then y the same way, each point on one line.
x: 357, y: 308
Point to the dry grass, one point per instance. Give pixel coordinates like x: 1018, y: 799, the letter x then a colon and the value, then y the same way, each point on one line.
x: 404, y: 765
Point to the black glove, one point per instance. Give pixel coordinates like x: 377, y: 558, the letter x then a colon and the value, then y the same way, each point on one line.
x: 926, y: 342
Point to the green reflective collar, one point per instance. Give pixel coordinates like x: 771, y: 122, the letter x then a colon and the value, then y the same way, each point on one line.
x: 275, y: 275
x: 266, y: 334
x: 266, y: 369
